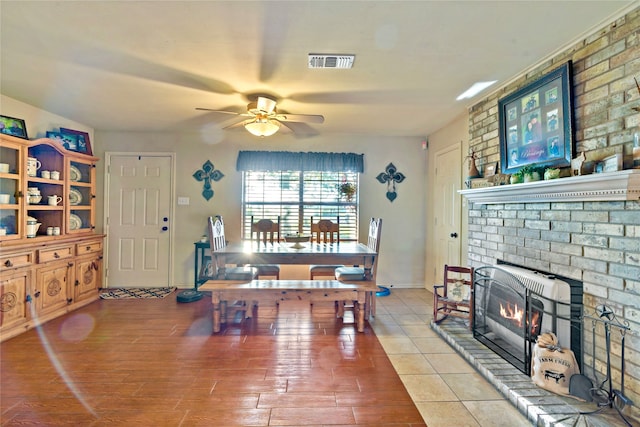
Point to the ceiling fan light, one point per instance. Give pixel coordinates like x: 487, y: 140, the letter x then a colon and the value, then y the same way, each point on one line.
x: 263, y: 127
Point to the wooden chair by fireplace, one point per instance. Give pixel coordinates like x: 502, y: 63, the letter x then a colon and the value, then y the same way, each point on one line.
x: 455, y: 296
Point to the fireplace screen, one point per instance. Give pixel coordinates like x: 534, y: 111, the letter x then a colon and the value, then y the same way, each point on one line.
x: 512, y: 306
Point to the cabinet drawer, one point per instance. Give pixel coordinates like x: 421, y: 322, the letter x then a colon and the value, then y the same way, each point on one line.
x: 88, y: 248
x: 62, y: 252
x: 16, y: 260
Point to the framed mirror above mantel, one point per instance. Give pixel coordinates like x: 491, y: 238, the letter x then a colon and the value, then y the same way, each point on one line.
x: 611, y: 186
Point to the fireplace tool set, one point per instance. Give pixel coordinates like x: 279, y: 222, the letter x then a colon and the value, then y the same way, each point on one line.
x: 603, y: 393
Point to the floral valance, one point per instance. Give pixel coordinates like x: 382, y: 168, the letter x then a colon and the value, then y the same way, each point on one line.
x: 289, y: 161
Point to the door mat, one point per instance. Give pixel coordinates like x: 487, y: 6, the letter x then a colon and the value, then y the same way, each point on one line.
x: 130, y: 293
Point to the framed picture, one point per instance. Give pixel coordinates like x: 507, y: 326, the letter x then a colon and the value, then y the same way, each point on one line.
x: 490, y: 169
x: 83, y: 144
x: 69, y: 142
x: 13, y: 126
x: 536, y: 123
x: 612, y: 163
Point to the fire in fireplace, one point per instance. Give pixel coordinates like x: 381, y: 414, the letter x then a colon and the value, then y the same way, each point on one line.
x: 509, y: 310
x: 513, y: 305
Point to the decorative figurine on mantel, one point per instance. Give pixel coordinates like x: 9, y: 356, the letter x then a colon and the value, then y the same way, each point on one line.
x: 473, y: 170
x: 576, y: 164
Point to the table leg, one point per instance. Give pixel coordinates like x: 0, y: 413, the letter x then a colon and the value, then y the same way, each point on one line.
x: 215, y: 299
x: 223, y: 310
x: 361, y: 307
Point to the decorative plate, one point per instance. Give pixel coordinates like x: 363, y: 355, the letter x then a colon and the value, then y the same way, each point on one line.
x: 75, y: 222
x: 75, y: 197
x: 75, y: 174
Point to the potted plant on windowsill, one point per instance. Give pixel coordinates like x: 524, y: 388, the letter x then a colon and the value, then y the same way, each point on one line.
x: 347, y: 190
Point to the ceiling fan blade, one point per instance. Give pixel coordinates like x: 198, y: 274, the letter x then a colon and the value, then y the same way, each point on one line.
x: 300, y: 130
x: 238, y: 124
x: 302, y: 118
x: 217, y: 111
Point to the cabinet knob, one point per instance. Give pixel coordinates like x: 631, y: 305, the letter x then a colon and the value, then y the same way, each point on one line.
x: 55, y: 255
x: 8, y: 263
x: 37, y: 294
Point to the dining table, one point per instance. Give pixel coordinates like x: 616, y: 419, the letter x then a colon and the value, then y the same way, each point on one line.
x: 252, y: 252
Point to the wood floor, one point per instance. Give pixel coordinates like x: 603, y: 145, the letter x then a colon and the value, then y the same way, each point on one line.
x: 155, y: 362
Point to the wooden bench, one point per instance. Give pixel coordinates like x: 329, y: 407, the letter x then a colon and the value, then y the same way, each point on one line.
x: 273, y: 291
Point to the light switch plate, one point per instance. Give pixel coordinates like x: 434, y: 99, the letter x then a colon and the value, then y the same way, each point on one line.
x: 183, y: 201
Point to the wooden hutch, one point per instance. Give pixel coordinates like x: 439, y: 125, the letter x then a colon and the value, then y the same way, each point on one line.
x: 57, y: 268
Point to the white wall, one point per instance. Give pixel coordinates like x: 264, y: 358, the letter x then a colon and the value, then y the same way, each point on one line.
x: 402, y: 257
x: 39, y: 121
x: 402, y: 253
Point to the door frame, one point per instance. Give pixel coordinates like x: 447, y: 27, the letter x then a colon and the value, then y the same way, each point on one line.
x: 172, y: 214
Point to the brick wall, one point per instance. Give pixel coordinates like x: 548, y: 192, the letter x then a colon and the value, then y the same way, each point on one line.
x: 595, y: 242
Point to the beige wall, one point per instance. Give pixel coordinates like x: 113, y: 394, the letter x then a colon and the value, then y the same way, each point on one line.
x: 38, y: 121
x: 402, y: 249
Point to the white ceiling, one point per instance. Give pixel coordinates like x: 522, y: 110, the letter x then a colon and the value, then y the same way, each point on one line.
x: 146, y: 65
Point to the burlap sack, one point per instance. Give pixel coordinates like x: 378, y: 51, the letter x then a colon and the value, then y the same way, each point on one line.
x: 552, y: 366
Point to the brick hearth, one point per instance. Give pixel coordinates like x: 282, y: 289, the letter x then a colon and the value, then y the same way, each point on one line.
x: 541, y: 407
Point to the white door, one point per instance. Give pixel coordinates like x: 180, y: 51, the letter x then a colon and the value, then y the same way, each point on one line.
x: 447, y: 209
x: 139, y: 190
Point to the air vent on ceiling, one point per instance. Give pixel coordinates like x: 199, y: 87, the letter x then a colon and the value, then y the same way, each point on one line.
x: 330, y: 61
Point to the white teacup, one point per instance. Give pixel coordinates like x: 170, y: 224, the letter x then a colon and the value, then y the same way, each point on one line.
x: 54, y: 200
x: 4, y: 167
x: 4, y: 198
x: 55, y: 175
x: 45, y: 174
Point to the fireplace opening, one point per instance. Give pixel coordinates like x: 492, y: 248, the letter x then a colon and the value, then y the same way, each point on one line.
x: 513, y: 305
x: 509, y: 309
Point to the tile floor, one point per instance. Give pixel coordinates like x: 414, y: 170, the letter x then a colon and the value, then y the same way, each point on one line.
x: 445, y: 388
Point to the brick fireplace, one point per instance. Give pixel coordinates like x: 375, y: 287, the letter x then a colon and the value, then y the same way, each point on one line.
x: 571, y: 232
x: 585, y: 227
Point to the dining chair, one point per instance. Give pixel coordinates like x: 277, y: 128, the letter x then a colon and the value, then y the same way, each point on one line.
x: 211, y: 271
x: 355, y: 274
x: 217, y: 241
x: 455, y: 296
x: 327, y: 232
x: 266, y: 231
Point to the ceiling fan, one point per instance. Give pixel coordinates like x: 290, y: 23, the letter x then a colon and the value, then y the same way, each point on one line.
x: 264, y: 119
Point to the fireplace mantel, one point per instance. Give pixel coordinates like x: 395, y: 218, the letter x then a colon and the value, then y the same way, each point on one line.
x: 611, y: 186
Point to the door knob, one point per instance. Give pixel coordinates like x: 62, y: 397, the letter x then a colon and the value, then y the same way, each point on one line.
x: 454, y: 235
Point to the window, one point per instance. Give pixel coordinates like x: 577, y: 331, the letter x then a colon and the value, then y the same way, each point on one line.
x: 296, y: 196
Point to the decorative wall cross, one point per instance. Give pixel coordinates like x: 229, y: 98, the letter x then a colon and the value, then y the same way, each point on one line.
x: 206, y: 174
x: 391, y: 176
